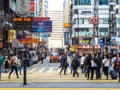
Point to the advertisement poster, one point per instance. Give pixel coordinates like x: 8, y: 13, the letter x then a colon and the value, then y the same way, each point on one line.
x: 42, y: 26
x: 32, y: 6
x: 22, y: 6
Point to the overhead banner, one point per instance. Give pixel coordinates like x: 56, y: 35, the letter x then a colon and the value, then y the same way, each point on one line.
x: 41, y: 26
x: 22, y: 6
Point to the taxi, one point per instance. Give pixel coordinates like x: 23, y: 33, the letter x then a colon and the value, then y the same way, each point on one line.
x: 54, y: 58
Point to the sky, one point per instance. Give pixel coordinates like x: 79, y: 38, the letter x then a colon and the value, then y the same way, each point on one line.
x: 55, y: 4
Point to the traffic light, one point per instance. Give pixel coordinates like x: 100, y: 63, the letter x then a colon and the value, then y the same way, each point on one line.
x: 108, y: 42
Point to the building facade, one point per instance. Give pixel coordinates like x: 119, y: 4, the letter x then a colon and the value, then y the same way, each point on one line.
x: 83, y: 10
x: 56, y: 39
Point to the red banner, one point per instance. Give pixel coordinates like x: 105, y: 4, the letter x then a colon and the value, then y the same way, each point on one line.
x: 32, y: 6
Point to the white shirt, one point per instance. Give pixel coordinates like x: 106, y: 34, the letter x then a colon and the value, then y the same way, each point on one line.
x: 106, y: 62
x: 82, y: 60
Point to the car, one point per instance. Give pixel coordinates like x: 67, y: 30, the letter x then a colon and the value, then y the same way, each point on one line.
x: 54, y: 58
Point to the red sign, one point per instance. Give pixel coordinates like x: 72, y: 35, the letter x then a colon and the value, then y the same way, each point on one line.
x: 32, y: 6
x: 94, y: 20
x: 41, y: 18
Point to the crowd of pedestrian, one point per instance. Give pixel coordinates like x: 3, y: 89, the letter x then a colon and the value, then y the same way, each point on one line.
x: 94, y: 65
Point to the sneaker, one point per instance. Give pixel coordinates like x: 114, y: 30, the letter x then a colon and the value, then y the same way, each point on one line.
x: 18, y: 77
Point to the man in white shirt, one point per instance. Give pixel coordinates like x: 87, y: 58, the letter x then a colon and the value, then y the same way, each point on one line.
x: 82, y: 63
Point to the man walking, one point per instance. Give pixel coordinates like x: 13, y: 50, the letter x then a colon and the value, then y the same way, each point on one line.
x: 75, y: 65
x: 63, y: 64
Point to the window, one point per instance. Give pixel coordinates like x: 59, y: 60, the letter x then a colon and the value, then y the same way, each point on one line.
x: 103, y: 2
x: 82, y: 2
x: 86, y: 21
x: 76, y: 21
x: 118, y: 20
x: 103, y: 21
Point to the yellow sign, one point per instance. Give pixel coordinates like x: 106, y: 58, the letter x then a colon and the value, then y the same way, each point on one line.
x: 11, y: 35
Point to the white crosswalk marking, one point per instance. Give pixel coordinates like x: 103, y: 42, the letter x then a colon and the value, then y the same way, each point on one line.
x: 68, y: 70
x: 41, y: 70
x: 31, y: 71
x: 50, y: 70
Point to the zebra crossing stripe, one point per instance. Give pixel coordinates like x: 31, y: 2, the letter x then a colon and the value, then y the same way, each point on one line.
x: 41, y: 70
x: 50, y: 70
x: 68, y: 70
x: 78, y: 70
x: 32, y: 70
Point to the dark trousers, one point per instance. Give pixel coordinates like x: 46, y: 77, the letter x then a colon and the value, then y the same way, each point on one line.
x: 12, y: 69
x: 87, y: 73
x: 99, y: 73
x: 41, y: 60
x: 83, y: 69
x: 75, y: 71
x: 105, y: 69
x: 118, y: 71
x: 94, y: 70
x: 63, y: 68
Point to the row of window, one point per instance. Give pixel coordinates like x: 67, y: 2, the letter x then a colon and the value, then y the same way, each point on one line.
x: 86, y: 21
x: 88, y: 2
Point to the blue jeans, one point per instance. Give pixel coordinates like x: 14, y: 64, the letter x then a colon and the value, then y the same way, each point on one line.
x: 0, y: 71
x: 30, y: 62
x: 20, y: 69
x: 118, y: 71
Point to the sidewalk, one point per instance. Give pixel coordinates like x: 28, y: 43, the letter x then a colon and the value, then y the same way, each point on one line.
x: 61, y: 85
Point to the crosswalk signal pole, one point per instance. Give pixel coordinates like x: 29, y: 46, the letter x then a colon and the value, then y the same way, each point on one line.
x: 24, y: 65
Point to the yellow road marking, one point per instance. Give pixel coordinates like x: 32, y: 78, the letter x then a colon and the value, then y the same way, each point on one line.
x: 50, y: 70
x: 68, y: 70
x: 41, y: 70
x: 59, y: 88
x: 78, y: 70
x: 59, y: 70
x: 32, y: 70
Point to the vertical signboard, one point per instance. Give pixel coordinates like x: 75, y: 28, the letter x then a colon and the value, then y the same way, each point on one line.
x: 66, y: 38
x: 22, y: 6
x: 11, y: 35
x: 32, y: 4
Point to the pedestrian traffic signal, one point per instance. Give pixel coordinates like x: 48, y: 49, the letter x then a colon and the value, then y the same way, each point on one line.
x: 108, y: 42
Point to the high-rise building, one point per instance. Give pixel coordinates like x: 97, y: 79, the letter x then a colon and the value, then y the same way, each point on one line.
x: 83, y: 10
x: 56, y: 39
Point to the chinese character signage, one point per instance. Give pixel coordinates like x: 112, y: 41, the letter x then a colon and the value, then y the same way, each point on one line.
x: 42, y: 26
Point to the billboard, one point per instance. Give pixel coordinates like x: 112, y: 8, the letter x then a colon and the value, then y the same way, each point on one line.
x: 66, y: 38
x: 22, y: 6
x: 42, y: 26
x: 32, y: 4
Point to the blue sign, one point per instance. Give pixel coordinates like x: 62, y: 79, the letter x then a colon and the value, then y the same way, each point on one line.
x: 101, y: 44
x: 66, y: 38
x: 42, y: 26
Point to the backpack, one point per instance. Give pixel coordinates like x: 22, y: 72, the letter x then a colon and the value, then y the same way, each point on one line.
x: 75, y: 62
x: 1, y: 60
